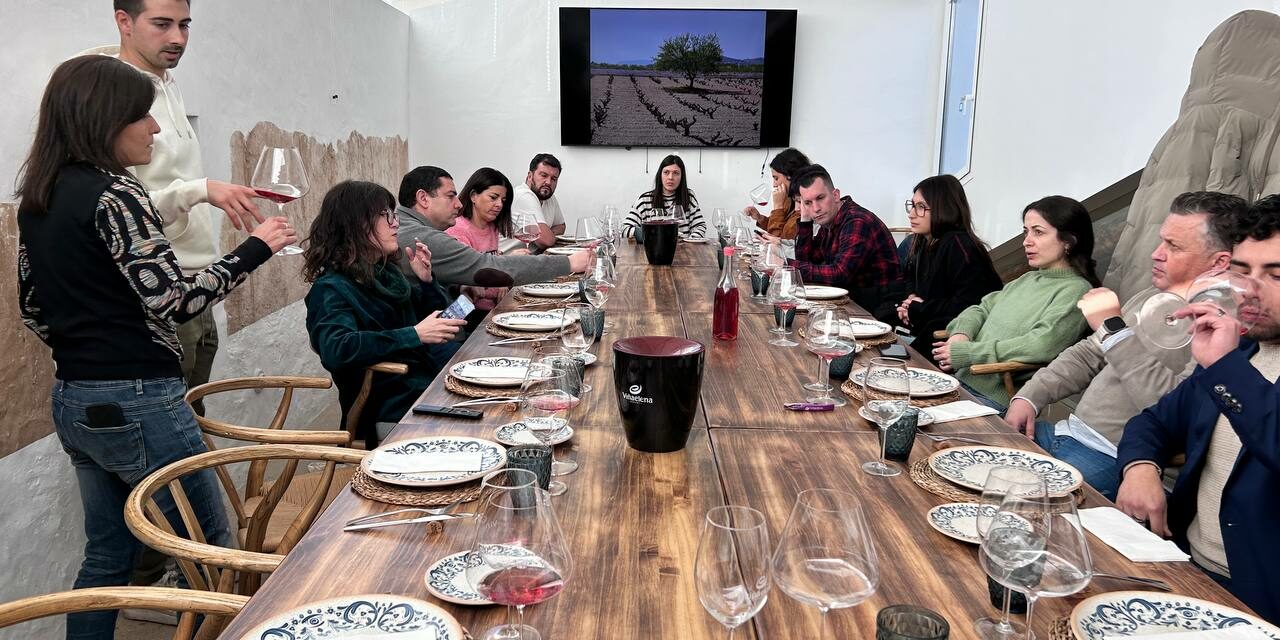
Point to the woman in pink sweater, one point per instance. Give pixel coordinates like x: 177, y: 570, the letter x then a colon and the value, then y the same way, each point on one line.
x: 486, y: 214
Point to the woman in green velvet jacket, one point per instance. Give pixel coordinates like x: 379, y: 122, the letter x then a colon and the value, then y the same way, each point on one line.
x: 362, y: 310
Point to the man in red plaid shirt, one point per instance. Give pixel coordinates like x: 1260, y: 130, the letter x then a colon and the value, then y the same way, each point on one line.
x: 853, y: 249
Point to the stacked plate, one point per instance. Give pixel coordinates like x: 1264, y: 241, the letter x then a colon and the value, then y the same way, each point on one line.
x: 923, y: 383
x: 550, y: 289
x: 533, y: 321
x: 433, y: 461
x: 1139, y: 613
x: 365, y: 616
x: 968, y: 467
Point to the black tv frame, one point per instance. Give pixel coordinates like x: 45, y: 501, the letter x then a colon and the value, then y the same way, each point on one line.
x: 575, y: 76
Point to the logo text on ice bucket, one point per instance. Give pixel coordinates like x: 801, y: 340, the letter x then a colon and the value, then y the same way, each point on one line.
x: 634, y: 397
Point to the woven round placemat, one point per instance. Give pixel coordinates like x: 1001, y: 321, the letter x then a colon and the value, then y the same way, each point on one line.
x: 475, y: 391
x: 854, y: 391
x: 1061, y: 629
x: 874, y: 341
x: 511, y: 333
x: 410, y: 497
x: 926, y: 479
x: 523, y: 298
x: 837, y: 302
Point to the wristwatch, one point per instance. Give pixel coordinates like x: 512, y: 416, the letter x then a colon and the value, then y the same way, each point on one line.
x: 1110, y: 327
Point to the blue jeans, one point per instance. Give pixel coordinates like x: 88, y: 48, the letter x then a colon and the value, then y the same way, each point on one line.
x: 118, y: 432
x: 983, y: 399
x: 1098, y: 468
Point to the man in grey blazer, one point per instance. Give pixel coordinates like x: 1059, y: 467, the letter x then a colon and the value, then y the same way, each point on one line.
x: 429, y: 205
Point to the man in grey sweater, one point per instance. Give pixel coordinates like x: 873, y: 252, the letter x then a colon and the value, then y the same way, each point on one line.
x: 1119, y: 372
x: 429, y: 204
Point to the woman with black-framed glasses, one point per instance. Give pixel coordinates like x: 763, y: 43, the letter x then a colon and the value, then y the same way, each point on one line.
x: 948, y: 267
x: 363, y: 310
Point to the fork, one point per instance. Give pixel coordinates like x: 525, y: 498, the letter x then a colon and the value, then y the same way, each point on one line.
x: 380, y: 519
x: 940, y: 438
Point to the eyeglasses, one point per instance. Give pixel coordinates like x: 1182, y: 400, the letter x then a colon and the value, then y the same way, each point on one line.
x: 916, y: 210
x: 390, y: 216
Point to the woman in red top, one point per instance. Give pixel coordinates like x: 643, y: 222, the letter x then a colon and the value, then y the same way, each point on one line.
x: 486, y: 215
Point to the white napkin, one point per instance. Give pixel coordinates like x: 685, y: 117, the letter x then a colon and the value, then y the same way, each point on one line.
x: 1131, y: 539
x: 531, y: 324
x: 960, y: 410
x: 492, y: 373
x: 461, y: 462
x: 1238, y: 632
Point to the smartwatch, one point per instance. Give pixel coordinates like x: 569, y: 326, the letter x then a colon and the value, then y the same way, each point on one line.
x: 1110, y: 327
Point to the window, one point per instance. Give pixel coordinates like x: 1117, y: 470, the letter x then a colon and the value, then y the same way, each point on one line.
x: 963, y: 40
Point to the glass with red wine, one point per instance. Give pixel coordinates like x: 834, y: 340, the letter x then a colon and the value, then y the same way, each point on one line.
x: 280, y: 177
x: 548, y: 391
x: 786, y: 292
x: 525, y: 228
x: 824, y: 338
x: 524, y: 559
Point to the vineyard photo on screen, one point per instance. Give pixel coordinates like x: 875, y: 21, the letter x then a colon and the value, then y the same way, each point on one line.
x: 667, y: 78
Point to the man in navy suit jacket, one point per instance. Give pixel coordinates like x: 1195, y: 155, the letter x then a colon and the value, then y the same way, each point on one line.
x: 1225, y: 507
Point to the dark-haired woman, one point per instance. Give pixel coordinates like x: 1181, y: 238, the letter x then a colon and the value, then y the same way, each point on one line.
x: 670, y: 189
x: 99, y: 283
x: 782, y: 221
x: 362, y: 310
x: 1033, y: 318
x: 948, y: 267
x: 486, y: 214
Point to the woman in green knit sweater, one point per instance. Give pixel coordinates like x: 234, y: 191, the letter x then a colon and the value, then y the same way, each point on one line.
x: 1033, y: 318
x: 362, y: 310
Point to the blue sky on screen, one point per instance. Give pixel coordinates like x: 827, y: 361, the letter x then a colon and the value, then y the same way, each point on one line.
x: 633, y: 36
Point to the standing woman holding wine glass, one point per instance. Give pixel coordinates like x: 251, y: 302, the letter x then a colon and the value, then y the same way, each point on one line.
x: 99, y: 283
x: 670, y: 190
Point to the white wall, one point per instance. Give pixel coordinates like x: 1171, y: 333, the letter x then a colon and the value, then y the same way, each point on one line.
x: 248, y: 61
x: 864, y: 102
x: 1073, y: 96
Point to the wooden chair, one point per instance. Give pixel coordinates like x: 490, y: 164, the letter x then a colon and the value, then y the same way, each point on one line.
x: 219, y: 607
x: 352, y: 420
x: 1005, y: 370
x: 213, y: 568
x: 303, y: 489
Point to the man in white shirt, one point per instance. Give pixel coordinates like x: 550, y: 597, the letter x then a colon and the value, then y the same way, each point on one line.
x: 536, y: 198
x: 153, y: 37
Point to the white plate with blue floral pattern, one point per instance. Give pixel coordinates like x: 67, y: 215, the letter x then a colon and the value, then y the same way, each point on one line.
x: 534, y: 320
x: 564, y: 251
x: 550, y: 289
x: 1138, y: 613
x: 366, y: 616
x: 447, y: 578
x: 968, y: 467
x: 924, y: 383
x: 959, y: 520
x: 492, y: 456
x: 518, y: 433
x: 491, y: 372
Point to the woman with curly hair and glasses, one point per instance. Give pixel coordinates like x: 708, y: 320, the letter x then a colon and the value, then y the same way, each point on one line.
x: 362, y: 310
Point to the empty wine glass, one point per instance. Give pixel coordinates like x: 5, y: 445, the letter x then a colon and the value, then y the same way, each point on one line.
x: 786, y: 291
x: 886, y: 394
x: 280, y: 177
x: 588, y: 232
x: 720, y: 219
x: 764, y: 265
x: 524, y: 558
x: 731, y: 571
x: 599, y: 282
x: 547, y: 392
x: 824, y: 339
x: 1235, y: 294
x: 526, y: 229
x: 572, y: 337
x: 1037, y: 545
x: 826, y: 556
x: 1001, y: 482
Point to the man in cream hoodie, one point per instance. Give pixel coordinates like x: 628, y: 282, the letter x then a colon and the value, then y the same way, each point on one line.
x: 153, y: 37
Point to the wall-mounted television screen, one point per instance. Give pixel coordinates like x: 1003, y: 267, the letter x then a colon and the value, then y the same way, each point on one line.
x: 676, y: 77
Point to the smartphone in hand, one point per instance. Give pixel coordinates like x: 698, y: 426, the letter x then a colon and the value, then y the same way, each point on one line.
x: 459, y: 309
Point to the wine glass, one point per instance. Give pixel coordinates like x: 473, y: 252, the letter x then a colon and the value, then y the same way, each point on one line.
x: 280, y: 177
x: 786, y: 291
x: 826, y: 556
x: 1037, y: 545
x: 572, y: 337
x: 588, y: 232
x: 526, y: 229
x: 886, y: 404
x: 742, y: 236
x: 599, y: 282
x: 732, y: 567
x: 1001, y: 482
x: 760, y: 195
x: 1230, y: 291
x: 524, y: 558
x: 765, y: 264
x: 547, y: 391
x: 823, y: 338
x: 720, y: 218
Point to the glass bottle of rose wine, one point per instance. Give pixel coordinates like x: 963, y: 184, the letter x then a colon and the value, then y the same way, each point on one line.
x: 724, y: 311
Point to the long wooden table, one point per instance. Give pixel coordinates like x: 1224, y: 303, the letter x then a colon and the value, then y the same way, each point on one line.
x: 632, y: 519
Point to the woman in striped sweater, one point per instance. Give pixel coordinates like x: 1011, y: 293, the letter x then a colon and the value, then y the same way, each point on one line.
x: 669, y: 189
